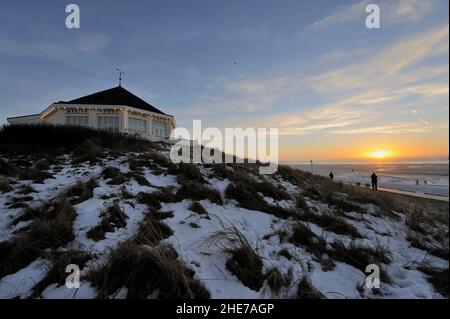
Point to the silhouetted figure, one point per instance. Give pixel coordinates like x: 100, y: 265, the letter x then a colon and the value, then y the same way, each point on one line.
x: 417, y: 182
x: 425, y: 182
x: 331, y: 175
x: 374, y: 179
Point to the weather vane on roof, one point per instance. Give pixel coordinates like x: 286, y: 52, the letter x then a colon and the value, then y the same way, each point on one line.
x: 120, y: 76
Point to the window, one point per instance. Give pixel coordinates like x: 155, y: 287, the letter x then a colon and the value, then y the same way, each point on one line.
x: 136, y: 125
x: 79, y: 120
x: 110, y: 123
x: 160, y: 129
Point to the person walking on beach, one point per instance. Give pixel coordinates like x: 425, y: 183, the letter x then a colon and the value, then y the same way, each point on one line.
x: 331, y: 175
x: 374, y: 179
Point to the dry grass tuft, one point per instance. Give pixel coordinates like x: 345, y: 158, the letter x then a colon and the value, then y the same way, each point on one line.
x: 197, y: 208
x: 111, y: 219
x: 439, y: 278
x: 82, y: 191
x: 5, y: 185
x: 146, y: 272
x: 56, y: 274
x: 303, y: 236
x: 359, y: 256
x: 198, y: 191
x: 331, y: 222
x: 275, y: 280
x: 151, y: 230
x: 50, y: 228
x: 307, y: 291
x: 244, y: 263
x: 250, y: 199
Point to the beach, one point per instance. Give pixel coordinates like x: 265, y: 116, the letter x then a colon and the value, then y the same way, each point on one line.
x: 419, y: 178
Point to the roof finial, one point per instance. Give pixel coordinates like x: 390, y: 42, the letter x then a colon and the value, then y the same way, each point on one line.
x: 120, y: 76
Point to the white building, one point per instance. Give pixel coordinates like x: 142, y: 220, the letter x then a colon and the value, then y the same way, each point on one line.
x: 116, y: 110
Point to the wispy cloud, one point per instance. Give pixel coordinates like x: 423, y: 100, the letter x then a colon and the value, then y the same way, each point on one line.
x: 383, y: 67
x: 342, y: 15
x: 400, y: 11
x: 361, y: 93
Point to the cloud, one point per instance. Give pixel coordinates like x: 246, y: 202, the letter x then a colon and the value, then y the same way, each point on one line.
x: 342, y: 15
x: 375, y: 88
x: 391, y: 12
x: 387, y: 68
x: 393, y: 128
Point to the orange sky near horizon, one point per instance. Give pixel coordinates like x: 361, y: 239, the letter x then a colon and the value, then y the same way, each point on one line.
x: 366, y: 148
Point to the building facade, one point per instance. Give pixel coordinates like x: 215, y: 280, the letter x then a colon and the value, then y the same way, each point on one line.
x: 116, y: 110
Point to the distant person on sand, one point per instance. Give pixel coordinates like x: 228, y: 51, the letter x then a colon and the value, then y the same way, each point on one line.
x: 374, y: 179
x: 331, y: 175
x: 417, y: 182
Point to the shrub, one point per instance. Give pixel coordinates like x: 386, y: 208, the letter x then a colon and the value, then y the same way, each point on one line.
x: 82, y: 191
x: 42, y: 165
x: 295, y: 176
x: 275, y: 280
x: 303, y: 236
x: 198, y: 191
x: 141, y: 180
x: 88, y: 151
x: 330, y: 222
x: 7, y: 168
x: 415, y: 221
x: 149, y: 200
x: 244, y: 262
x: 188, y: 173
x: 151, y: 230
x: 419, y: 241
x: 166, y: 195
x: 111, y: 219
x: 26, y: 189
x: 114, y: 174
x: 307, y: 291
x: 252, y: 200
x: 34, y: 174
x: 439, y: 278
x: 301, y: 205
x: 145, y: 272
x: 5, y: 185
x: 285, y: 253
x: 56, y: 273
x: 52, y: 228
x: 197, y: 208
x: 221, y: 171
x: 55, y: 140
x: 359, y: 256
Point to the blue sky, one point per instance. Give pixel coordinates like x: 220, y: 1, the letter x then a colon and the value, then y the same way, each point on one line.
x: 334, y: 88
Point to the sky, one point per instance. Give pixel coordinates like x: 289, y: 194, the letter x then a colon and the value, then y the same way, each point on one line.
x: 336, y: 90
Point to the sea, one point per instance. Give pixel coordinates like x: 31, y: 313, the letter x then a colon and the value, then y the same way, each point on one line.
x: 418, y: 177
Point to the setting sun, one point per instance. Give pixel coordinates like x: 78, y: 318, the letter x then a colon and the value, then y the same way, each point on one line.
x: 379, y: 154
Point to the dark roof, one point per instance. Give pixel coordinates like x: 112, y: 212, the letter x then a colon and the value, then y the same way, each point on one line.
x: 115, y: 96
x: 16, y: 117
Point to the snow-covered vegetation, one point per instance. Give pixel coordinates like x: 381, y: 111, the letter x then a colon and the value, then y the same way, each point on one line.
x: 140, y: 226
